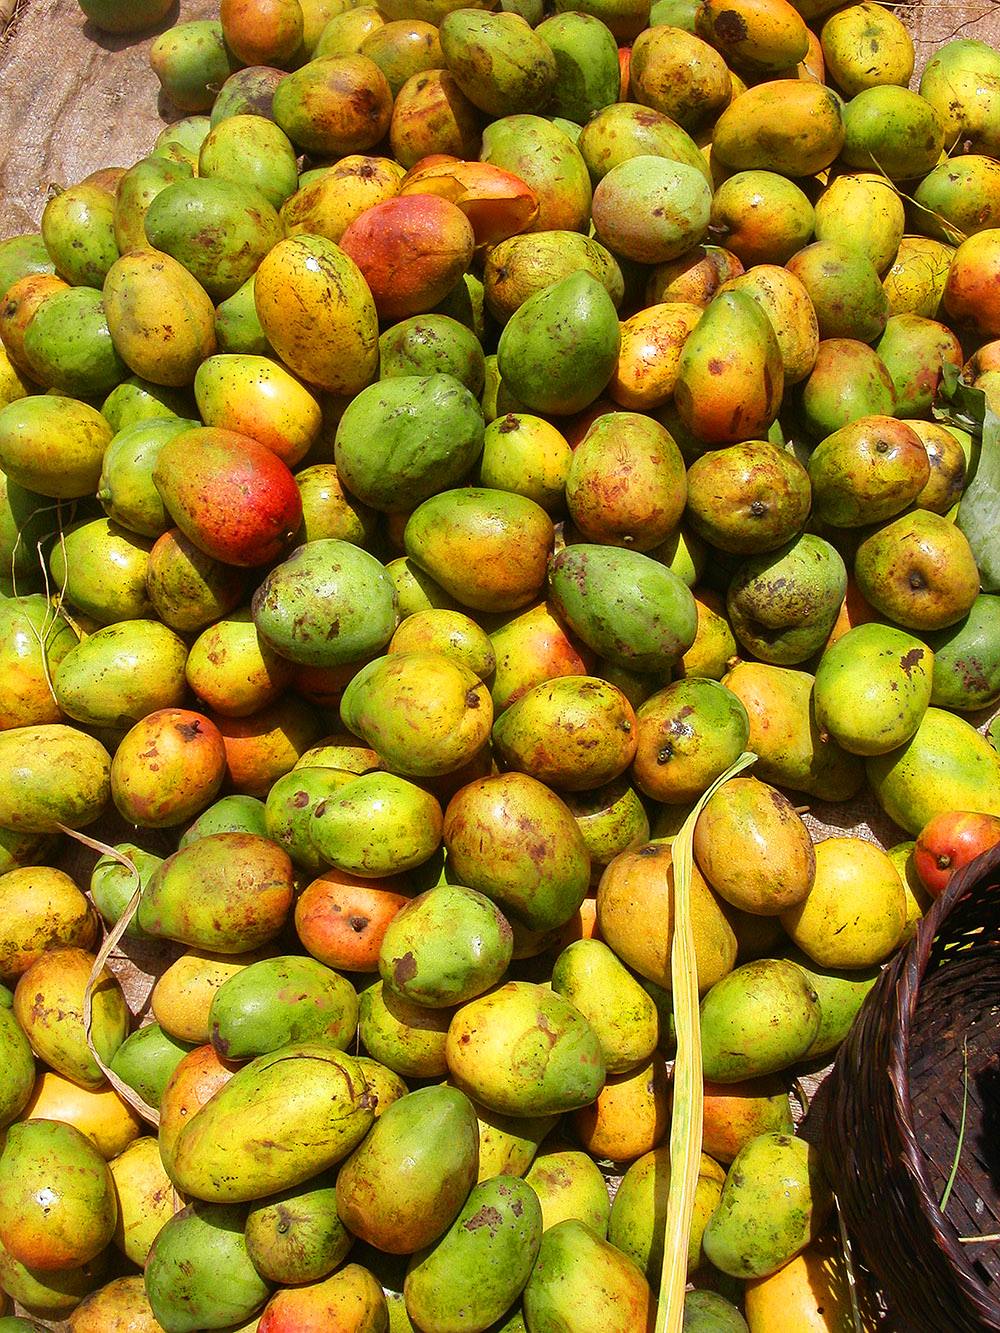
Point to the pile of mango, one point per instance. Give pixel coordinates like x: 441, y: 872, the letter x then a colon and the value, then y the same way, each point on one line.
x: 460, y: 438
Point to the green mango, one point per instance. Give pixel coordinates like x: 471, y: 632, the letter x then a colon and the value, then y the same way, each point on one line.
x: 479, y: 1267
x: 379, y: 824
x: 295, y: 1236
x: 52, y: 774
x: 229, y: 814
x: 18, y: 1065
x: 960, y: 81
x: 559, y: 349
x: 841, y: 994
x: 624, y: 130
x: 249, y: 149
x: 760, y: 1018
x: 583, y: 1282
x: 228, y: 892
x: 782, y: 605
x: 622, y: 1014
x: 79, y: 233
x: 102, y: 567
x: 198, y: 1272
x: 237, y: 325
x: 146, y: 1059
x: 122, y: 672
x: 588, y: 76
x: 845, y: 289
x: 14, y: 1324
x: 136, y: 190
x: 327, y: 603
x: 524, y: 1050
x: 707, y: 1311
x: 629, y: 608
x: 126, y: 489
x: 639, y: 1211
x: 774, y: 1202
x: 915, y: 351
x: 569, y: 1183
x: 650, y: 210
x: 431, y: 344
x: 730, y: 373
x: 402, y: 440
x: 181, y: 140
x: 918, y: 571
x: 138, y: 399
x: 34, y: 640
x: 112, y: 884
x: 250, y: 91
x: 51, y: 1294
x: 20, y: 256
x: 277, y: 1001
x: 289, y: 808
x: 68, y: 345
x: 893, y: 128
x: 53, y: 445
x: 524, y: 265
x: 279, y: 1120
x: 402, y: 1188
x: 408, y: 1038
x: 946, y: 765
x: 498, y: 61
x: 192, y: 61
x: 848, y: 380
x: 967, y: 658
x: 219, y: 230
x: 27, y: 521
x: 872, y: 688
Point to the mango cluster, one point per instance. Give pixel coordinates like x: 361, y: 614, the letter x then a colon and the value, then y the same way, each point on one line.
x: 457, y: 441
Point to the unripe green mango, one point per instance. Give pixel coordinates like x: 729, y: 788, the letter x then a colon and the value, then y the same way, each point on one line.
x: 125, y: 488
x: 893, y: 130
x: 946, y: 765
x: 651, y: 210
x: 524, y: 1050
x: 432, y: 344
x: 53, y: 1294
x: 498, y: 60
x: 251, y: 150
x: 626, y: 129
x: 229, y: 892
x: 296, y: 1236
x: 475, y: 1272
x: 192, y: 62
x: 229, y: 814
x: 559, y: 349
x: 774, y: 1202
x: 967, y: 658
x: 406, y: 1037
x: 218, y: 229
x: 289, y: 809
x: 872, y: 688
x: 622, y: 1014
x: 112, y: 884
x: 52, y: 774
x: 841, y: 994
x: 588, y: 76
x: 198, y: 1273
x: 78, y: 229
x: 379, y: 824
x: 760, y: 1018
x: 146, y: 1059
x: 629, y: 608
x: 136, y: 190
x: 278, y: 1121
x: 424, y: 714
x: 237, y: 325
x: 18, y: 1066
x: 53, y: 445
x: 582, y: 1282
x: 102, y: 568
x: 277, y: 1001
x: 783, y: 605
x: 328, y: 603
x: 404, y: 1185
x: 445, y: 946
x: 21, y: 256
x: 547, y: 159
x: 122, y: 672
x: 68, y: 345
x: 402, y: 440
x: 181, y: 140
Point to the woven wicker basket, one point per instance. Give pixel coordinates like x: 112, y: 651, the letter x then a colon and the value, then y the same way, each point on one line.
x: 928, y: 1030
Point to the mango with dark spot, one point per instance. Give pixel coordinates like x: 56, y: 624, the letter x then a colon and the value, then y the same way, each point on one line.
x: 967, y: 658
x: 295, y: 1236
x: 755, y: 36
x: 279, y: 1120
x: 783, y: 605
x: 760, y: 1224
x: 873, y: 687
x: 749, y: 498
x: 479, y: 1267
x: 583, y: 1282
x: 687, y: 735
x: 918, y: 571
x: 51, y: 774
x: 915, y: 352
x: 680, y: 75
x: 498, y: 60
x: 569, y: 1183
x: 334, y: 105
x: 289, y: 808
x: 402, y: 1188
x: 522, y: 1049
x: 892, y: 130
x: 549, y: 163
x: 276, y: 1001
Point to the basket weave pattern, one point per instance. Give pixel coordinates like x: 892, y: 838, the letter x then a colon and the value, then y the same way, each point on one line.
x: 927, y: 1041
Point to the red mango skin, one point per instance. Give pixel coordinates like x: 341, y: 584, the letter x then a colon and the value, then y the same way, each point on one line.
x: 949, y: 841
x: 229, y: 494
x: 351, y: 1301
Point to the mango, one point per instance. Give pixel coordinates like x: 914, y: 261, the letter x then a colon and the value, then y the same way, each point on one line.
x: 377, y: 825
x: 277, y: 1001
x: 522, y: 266
x: 77, y: 226
x: 144, y: 1194
x: 351, y: 1298
x: 630, y: 1115
x: 198, y: 1271
x: 501, y: 64
x: 579, y: 1276
x: 103, y: 1116
x: 918, y: 571
x: 966, y: 665
x: 872, y: 688
x: 679, y: 74
x: 68, y: 346
x: 959, y: 82
x: 756, y: 1229
x: 402, y: 1188
x: 34, y: 640
x: 295, y: 1235
x: 688, y: 734
x: 760, y: 1018
x: 783, y: 125
x: 569, y: 1184
x: 735, y: 1113
x: 122, y: 672
x: 651, y: 210
x: 492, y: 1053
x: 334, y: 105
x: 308, y: 1092
x: 53, y: 1294
x: 125, y: 488
x: 160, y: 317
x: 120, y: 1302
x: 53, y: 445
x: 639, y: 1210
x: 408, y: 1038
x: 474, y: 1272
x: 191, y: 62
x: 547, y: 159
x: 19, y: 1066
x: 146, y: 1059
x: 894, y: 129
x: 51, y: 774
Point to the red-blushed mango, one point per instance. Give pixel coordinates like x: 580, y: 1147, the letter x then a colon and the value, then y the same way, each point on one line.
x: 161, y: 319
x: 431, y: 115
x: 867, y: 471
x: 350, y: 1300
x: 762, y: 217
x: 256, y: 396
x: 651, y: 342
x: 167, y: 768
x: 231, y: 495
x: 970, y: 290
x: 748, y: 498
x: 334, y: 105
x: 21, y: 300
x: 341, y: 919
x: 533, y: 647
x: 412, y: 250
x: 262, y: 747
x: 735, y: 1113
x: 783, y: 125
x: 325, y: 206
x: 318, y: 313
x: 42, y: 908
x: 262, y: 32
x: 497, y: 203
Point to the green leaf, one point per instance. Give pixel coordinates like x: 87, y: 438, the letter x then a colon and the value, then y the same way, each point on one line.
x: 959, y: 404
x: 979, y: 509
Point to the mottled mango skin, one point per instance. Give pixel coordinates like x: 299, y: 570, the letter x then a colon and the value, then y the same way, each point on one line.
x: 279, y: 1000
x: 51, y: 774
x: 758, y: 1019
x: 584, y: 1282
x: 350, y: 1299
x: 784, y: 125
x: 296, y: 1236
